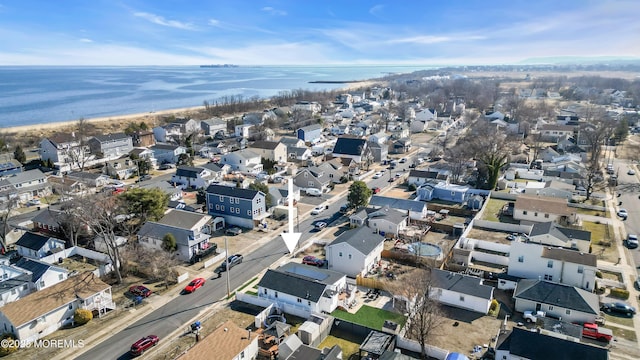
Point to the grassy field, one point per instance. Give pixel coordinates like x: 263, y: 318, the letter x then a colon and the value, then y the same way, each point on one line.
x: 371, y: 317
x: 592, y: 212
x: 624, y: 333
x: 603, y: 243
x: 626, y: 321
x: 348, y: 348
x: 492, y: 211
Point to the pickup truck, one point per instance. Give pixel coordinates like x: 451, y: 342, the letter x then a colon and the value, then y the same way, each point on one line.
x: 593, y: 331
x: 531, y: 317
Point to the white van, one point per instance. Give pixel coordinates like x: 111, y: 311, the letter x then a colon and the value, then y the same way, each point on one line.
x: 313, y: 192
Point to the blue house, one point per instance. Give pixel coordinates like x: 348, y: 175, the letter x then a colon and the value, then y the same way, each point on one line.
x: 310, y: 134
x: 241, y: 207
x: 443, y: 191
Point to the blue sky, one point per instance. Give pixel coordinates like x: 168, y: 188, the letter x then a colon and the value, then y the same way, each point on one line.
x: 313, y: 32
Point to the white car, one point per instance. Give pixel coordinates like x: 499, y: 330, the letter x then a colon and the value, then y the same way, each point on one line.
x: 317, y: 210
x: 632, y: 241
x: 631, y: 172
x: 377, y: 175
x: 623, y: 213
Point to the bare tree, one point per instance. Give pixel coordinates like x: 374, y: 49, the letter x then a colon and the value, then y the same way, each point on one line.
x: 595, y: 134
x: 457, y: 157
x: 70, y: 220
x: 5, y: 213
x: 80, y: 155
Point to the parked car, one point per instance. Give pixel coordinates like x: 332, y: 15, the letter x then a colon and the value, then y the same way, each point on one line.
x: 142, y: 345
x: 139, y: 290
x: 377, y: 175
x: 194, y: 285
x: 403, y: 160
x: 632, y: 241
x: 320, y: 225
x: 619, y: 308
x: 34, y: 202
x: 317, y: 210
x: 144, y: 178
x: 233, y: 231
x: 313, y: 192
x: 631, y: 172
x: 314, y: 261
x: 166, y: 166
x: 623, y: 213
x: 233, y: 260
x: 375, y: 190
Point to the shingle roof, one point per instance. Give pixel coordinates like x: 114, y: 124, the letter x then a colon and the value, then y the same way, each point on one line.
x: 44, y: 301
x: 188, y: 171
x: 463, y: 284
x: 534, y: 345
x: 300, y: 280
x: 226, y: 342
x: 164, y: 147
x: 398, y: 204
x: 556, y: 294
x: 543, y: 204
x: 32, y: 241
x: 182, y: 219
x: 111, y: 137
x: 423, y: 174
x: 37, y: 268
x: 232, y: 191
x: 391, y: 215
x: 571, y: 256
x: 24, y: 176
x: 311, y: 127
x: 363, y: 239
x: 349, y: 146
x: 270, y: 145
x: 562, y: 233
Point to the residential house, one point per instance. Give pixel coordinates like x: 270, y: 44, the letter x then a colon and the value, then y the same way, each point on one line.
x: 241, y: 207
x: 246, y: 161
x: 47, y: 221
x: 351, y: 148
x: 415, y: 209
x: 443, y: 191
x: 386, y: 221
x: 228, y: 342
x: 36, y: 246
x: 7, y: 191
x: 292, y: 142
x: 43, y: 275
x: 355, y: 252
x: 62, y: 150
x: 111, y: 146
x: 123, y: 168
x: 401, y: 145
x: 167, y: 133
x: 400, y: 132
x: 553, y: 132
x: 217, y: 171
x: 243, y: 130
x: 421, y: 177
x: 29, y: 184
x: 271, y: 150
x: 9, y: 166
x: 555, y: 189
x: 494, y: 115
x: 191, y: 231
x: 570, y: 303
x: 461, y: 291
x: 380, y: 137
x: 424, y: 120
x: 143, y: 138
x: 358, y: 218
x: 551, y: 234
x: 214, y: 126
x: 41, y: 313
x: 310, y: 134
x: 167, y: 153
x: 310, y: 106
x: 548, y: 154
x: 174, y: 192
x: 314, y: 177
x: 299, y: 153
x: 524, y: 344
x: 253, y: 119
x: 280, y: 195
x: 142, y: 153
x: 534, y: 261
x: 15, y: 283
x: 529, y: 208
x: 312, y: 289
x: 379, y: 152
x: 193, y: 177
x: 91, y: 180
x: 187, y: 126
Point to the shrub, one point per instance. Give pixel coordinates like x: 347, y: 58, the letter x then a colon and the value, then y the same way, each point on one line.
x: 6, y: 350
x: 82, y: 316
x: 599, y: 274
x: 412, y: 187
x: 619, y: 293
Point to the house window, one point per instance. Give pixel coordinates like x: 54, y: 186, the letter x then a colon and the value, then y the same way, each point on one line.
x: 309, y: 303
x: 568, y: 312
x: 221, y: 207
x: 42, y: 283
x: 461, y: 297
x: 221, y: 198
x: 211, y: 206
x: 521, y: 258
x: 550, y: 264
x: 524, y: 212
x: 5, y: 276
x: 349, y: 256
x: 546, y: 216
x: 249, y: 212
x: 242, y: 355
x: 340, y: 254
x: 275, y: 293
x: 548, y: 277
x: 70, y: 306
x: 453, y: 193
x: 265, y: 291
x: 60, y: 276
x: 217, y: 207
x: 535, y: 213
x: 580, y: 269
x: 550, y: 307
x: 310, y: 183
x: 299, y: 300
x: 13, y: 291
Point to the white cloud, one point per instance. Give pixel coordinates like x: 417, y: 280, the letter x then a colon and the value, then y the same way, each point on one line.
x: 376, y: 10
x: 159, y: 20
x: 85, y: 40
x: 430, y: 39
x: 214, y: 22
x: 271, y: 11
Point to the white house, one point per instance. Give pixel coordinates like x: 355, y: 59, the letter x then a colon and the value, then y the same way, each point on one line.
x: 15, y: 282
x: 355, y: 251
x: 415, y: 209
x: 568, y: 302
x: 310, y: 106
x: 459, y: 290
x: 307, y: 287
x: 36, y: 246
x: 543, y: 209
x: 43, y: 275
x: 386, y: 220
x: 535, y: 261
x: 550, y: 234
x: 41, y: 313
x: 228, y: 342
x: 272, y: 150
x: 246, y: 161
x: 193, y: 177
x: 62, y: 149
x: 167, y: 153
x: 29, y: 184
x: 523, y: 344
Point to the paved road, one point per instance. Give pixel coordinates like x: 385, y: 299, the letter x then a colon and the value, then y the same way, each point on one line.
x: 629, y: 190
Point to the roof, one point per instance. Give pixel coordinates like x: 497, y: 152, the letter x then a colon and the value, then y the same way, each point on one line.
x: 37, y: 268
x: 391, y: 215
x: 299, y: 151
x: 164, y: 147
x: 463, y: 284
x: 270, y: 145
x: 557, y: 127
x: 182, y: 219
x: 47, y: 216
x: 188, y: 171
x: 226, y: 342
x: 362, y: 239
x: 24, y: 176
x: 560, y: 295
x: 49, y: 299
x: 423, y: 174
x: 62, y: 138
x: 287, y: 140
x: 562, y: 233
x: 111, y: 137
x: 311, y: 127
x: 14, y: 283
x: 543, y: 204
x: 84, y: 175
x: 232, y: 192
x: 398, y: 204
x: 298, y: 280
x: 349, y: 146
x: 534, y: 345
x: 571, y: 256
x: 33, y: 241
x: 212, y: 167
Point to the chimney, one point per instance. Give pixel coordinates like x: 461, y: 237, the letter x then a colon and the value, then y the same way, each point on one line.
x: 249, y: 336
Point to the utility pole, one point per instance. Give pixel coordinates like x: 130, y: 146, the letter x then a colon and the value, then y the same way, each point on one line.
x: 226, y: 250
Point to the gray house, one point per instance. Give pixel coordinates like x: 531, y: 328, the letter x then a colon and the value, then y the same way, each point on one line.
x: 28, y: 184
x: 36, y: 246
x: 521, y: 343
x: 310, y: 134
x: 111, y: 146
x: 212, y: 126
x: 241, y: 207
x: 191, y: 231
x: 166, y: 153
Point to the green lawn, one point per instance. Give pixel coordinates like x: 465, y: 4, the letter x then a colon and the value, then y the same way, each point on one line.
x: 371, y: 317
x: 593, y: 212
x: 493, y: 209
x: 348, y: 348
x: 603, y: 244
x: 623, y: 333
x: 618, y: 320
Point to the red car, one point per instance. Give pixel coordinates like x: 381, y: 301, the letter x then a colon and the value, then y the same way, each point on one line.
x: 314, y: 261
x: 139, y: 290
x: 375, y: 190
x: 194, y: 285
x: 143, y: 344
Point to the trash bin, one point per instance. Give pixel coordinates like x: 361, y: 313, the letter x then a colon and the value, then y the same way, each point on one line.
x: 137, y: 300
x: 195, y: 326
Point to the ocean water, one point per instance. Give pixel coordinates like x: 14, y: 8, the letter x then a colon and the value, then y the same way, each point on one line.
x: 37, y: 95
